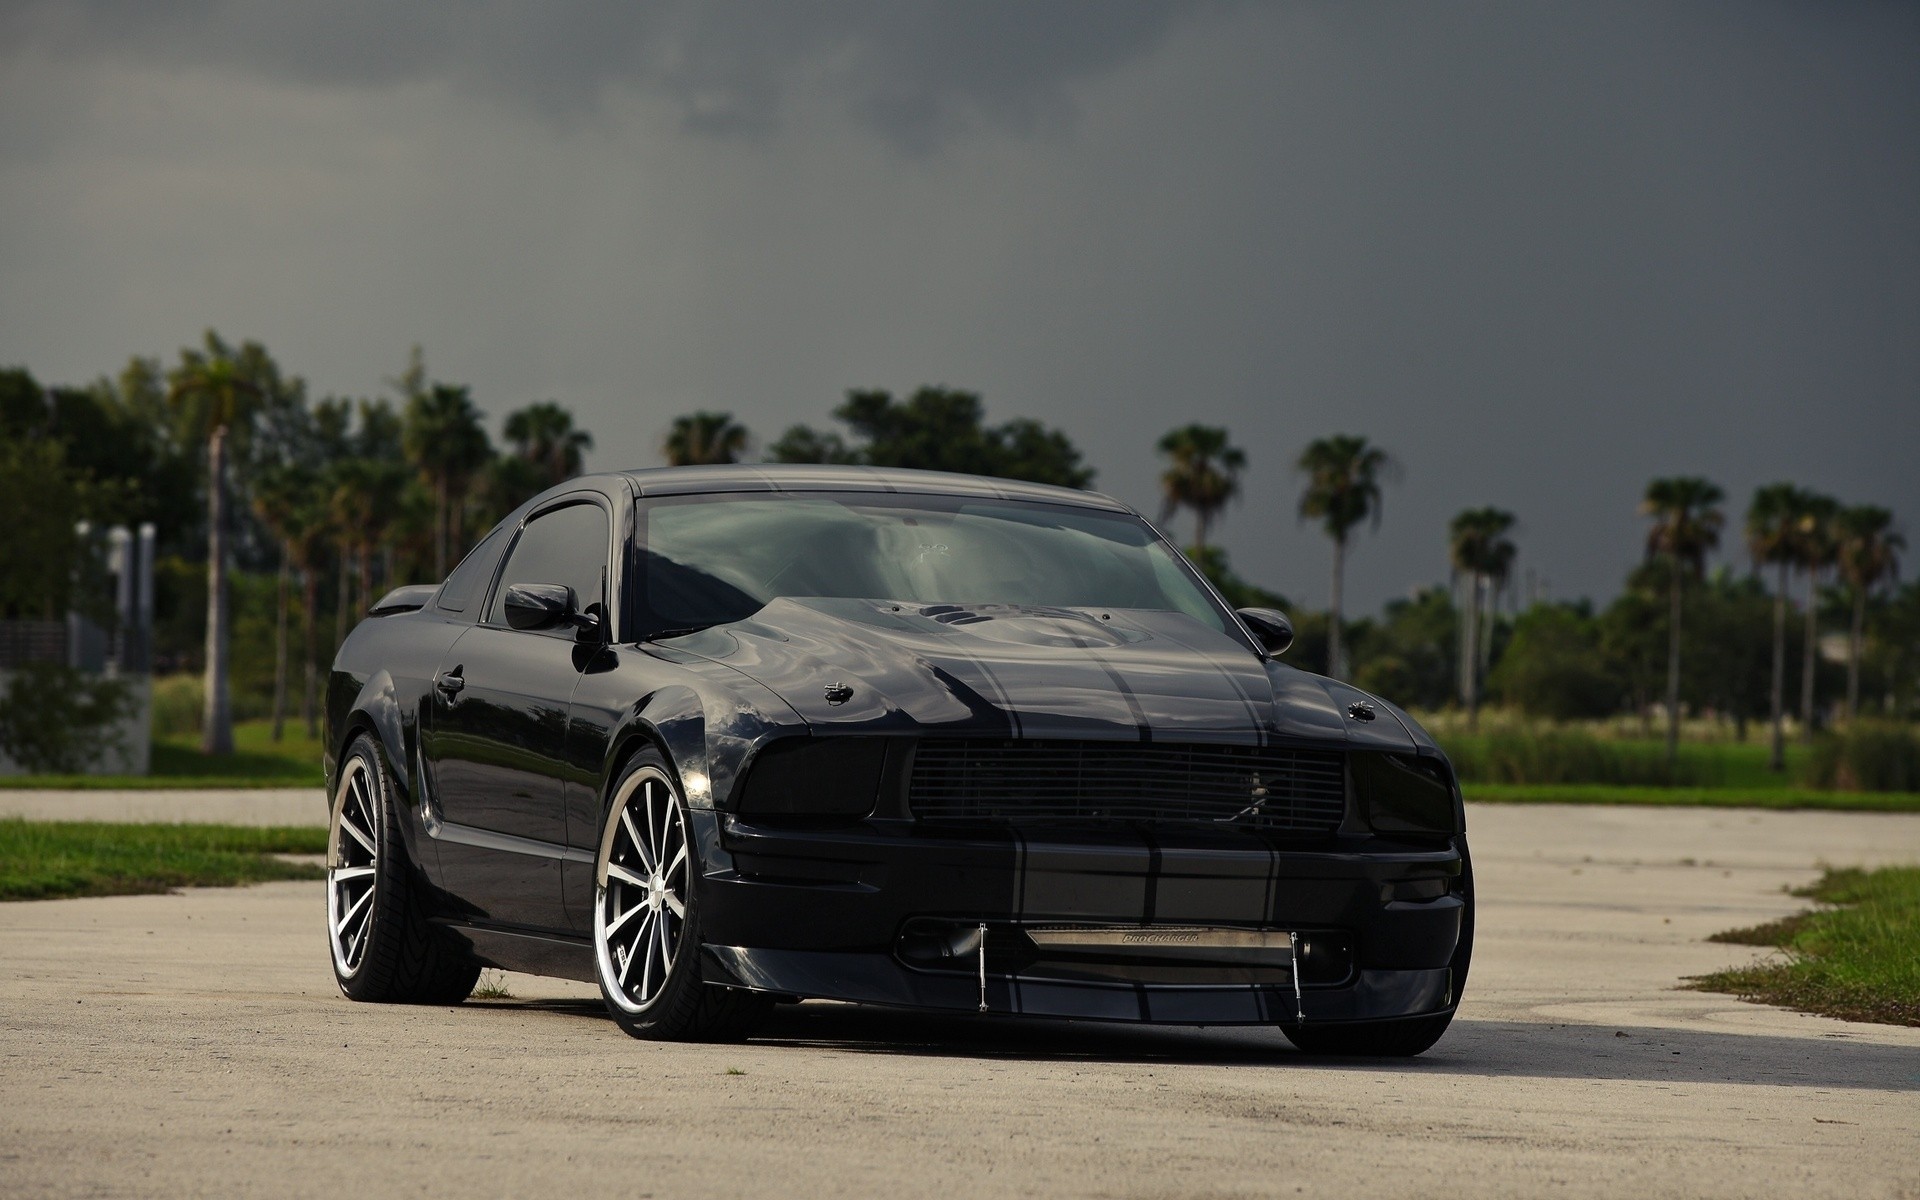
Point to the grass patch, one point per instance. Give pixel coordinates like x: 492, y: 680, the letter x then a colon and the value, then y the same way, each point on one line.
x: 1858, y: 959
x: 1772, y: 933
x: 48, y: 860
x: 257, y: 761
x: 1782, y: 797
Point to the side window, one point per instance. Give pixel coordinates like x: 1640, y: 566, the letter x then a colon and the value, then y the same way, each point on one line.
x: 464, y: 589
x: 566, y: 545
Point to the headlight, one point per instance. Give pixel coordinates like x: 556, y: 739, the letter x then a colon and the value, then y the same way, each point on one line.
x: 1405, y: 793
x: 814, y: 777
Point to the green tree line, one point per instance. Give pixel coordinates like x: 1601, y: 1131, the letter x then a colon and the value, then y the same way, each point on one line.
x: 1677, y: 638
x: 319, y: 505
x: 329, y: 501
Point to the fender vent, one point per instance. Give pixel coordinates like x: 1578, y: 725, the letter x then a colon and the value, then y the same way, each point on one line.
x: 1300, y: 792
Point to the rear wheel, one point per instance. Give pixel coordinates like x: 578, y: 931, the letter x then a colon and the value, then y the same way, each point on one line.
x: 383, y: 949
x: 646, y: 917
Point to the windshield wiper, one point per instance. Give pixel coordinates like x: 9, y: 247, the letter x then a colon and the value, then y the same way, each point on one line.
x: 662, y: 634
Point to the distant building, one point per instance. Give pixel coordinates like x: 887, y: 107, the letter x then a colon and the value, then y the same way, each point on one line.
x: 108, y: 634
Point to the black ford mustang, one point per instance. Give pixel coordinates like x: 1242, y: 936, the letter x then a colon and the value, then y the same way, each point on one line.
x: 715, y: 737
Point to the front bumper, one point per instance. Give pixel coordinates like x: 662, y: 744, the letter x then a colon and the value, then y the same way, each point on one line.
x: 846, y: 913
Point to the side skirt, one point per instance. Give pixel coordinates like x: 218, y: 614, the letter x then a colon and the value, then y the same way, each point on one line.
x: 528, y: 953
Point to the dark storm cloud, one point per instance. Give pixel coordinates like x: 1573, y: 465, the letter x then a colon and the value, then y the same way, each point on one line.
x: 1540, y: 252
x: 913, y: 72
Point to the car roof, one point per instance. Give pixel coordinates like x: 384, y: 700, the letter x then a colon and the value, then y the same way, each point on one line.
x: 818, y: 477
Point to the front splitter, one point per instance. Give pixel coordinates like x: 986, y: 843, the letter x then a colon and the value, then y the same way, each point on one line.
x: 1370, y: 995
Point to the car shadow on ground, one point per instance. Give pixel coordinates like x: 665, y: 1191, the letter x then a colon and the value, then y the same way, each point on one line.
x: 1830, y: 1057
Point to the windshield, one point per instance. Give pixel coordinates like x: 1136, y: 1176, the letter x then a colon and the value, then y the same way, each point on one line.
x: 708, y: 560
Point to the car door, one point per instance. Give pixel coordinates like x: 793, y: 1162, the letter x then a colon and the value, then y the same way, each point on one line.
x: 421, y: 657
x: 497, y: 749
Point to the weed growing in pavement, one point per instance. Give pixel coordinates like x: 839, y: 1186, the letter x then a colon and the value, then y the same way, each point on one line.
x: 492, y: 986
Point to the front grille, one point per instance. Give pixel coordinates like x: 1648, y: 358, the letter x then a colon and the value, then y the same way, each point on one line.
x: 1293, y: 791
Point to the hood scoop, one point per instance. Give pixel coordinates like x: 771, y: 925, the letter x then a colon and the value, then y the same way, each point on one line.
x: 1020, y: 625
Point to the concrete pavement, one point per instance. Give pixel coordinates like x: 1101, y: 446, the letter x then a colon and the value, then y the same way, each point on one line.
x: 195, y: 1044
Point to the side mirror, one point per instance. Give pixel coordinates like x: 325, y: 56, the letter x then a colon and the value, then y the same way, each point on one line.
x: 1270, y: 628
x: 538, y: 605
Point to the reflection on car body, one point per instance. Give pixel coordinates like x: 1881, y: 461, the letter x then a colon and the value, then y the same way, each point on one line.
x: 711, y: 737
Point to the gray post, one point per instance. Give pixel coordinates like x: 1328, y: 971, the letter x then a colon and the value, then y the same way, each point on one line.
x: 142, y: 659
x: 74, y: 630
x: 120, y: 562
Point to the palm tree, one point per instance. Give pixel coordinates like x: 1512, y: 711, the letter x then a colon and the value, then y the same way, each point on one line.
x: 1204, y: 475
x: 1869, y: 555
x: 1815, y: 550
x: 1686, y: 525
x: 444, y: 440
x: 704, y: 437
x: 407, y: 540
x: 1499, y: 573
x: 543, y: 434
x: 509, y: 481
x: 380, y: 431
x: 275, y: 501
x: 367, y: 497
x: 1773, y: 520
x: 1343, y: 489
x: 349, y: 511
x: 292, y: 502
x: 212, y: 394
x: 307, y: 535
x: 339, y: 533
x: 1482, y: 552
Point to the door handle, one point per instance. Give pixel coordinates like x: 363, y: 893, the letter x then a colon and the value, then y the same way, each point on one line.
x: 450, y: 683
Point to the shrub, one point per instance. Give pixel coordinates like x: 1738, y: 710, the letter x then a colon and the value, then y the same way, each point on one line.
x: 1553, y: 667
x: 1545, y: 755
x: 56, y: 720
x: 178, y: 704
x: 1867, y: 756
x: 1409, y: 654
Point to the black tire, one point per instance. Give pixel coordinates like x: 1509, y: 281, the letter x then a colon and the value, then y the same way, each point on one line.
x: 385, y: 950
x: 1407, y: 1036
x: 637, y: 888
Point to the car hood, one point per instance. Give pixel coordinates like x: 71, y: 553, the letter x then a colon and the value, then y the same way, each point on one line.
x: 1020, y: 671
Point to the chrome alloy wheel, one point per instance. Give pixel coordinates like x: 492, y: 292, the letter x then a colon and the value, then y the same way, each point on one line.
x: 353, y: 864
x: 640, y: 902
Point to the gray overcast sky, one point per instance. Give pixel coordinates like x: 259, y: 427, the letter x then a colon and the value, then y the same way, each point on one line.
x: 1541, y: 252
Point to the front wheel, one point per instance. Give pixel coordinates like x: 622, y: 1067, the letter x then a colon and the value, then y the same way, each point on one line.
x: 646, y: 917
x: 1378, y: 1039
x: 1407, y: 1036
